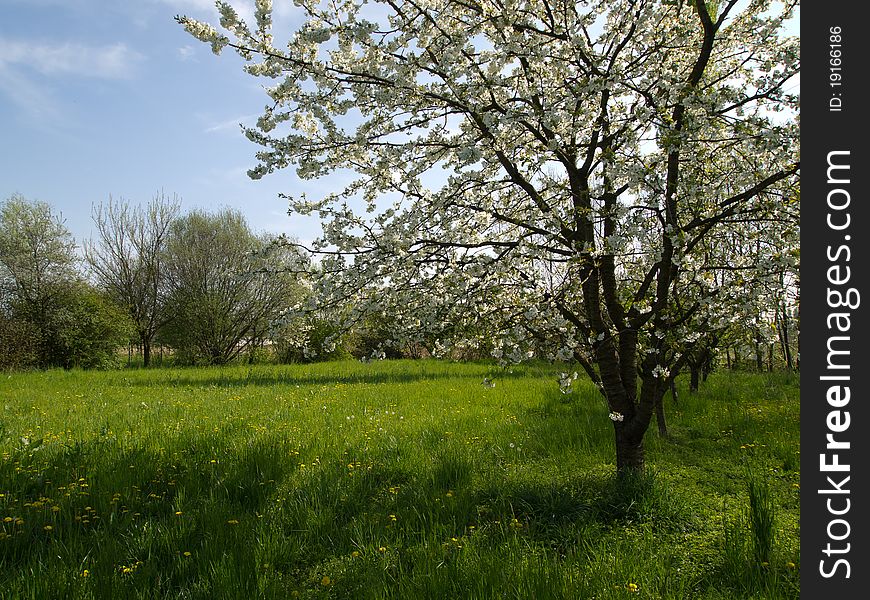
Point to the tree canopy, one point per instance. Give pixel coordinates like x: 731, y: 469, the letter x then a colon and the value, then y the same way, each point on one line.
x: 127, y: 260
x: 49, y: 316
x: 580, y: 177
x: 220, y: 296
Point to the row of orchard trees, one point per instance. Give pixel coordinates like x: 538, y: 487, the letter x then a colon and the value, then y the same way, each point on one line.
x: 613, y: 182
x: 196, y: 282
x: 210, y: 289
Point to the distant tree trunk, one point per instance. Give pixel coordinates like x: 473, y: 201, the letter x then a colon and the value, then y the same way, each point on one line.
x: 770, y: 350
x: 759, y: 357
x: 660, y: 416
x: 674, y: 391
x: 728, y: 357
x: 146, y: 352
x: 694, y: 378
x: 706, y: 365
x: 783, y: 337
x: 797, y: 357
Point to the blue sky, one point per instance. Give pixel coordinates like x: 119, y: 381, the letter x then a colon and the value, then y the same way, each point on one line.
x: 104, y: 97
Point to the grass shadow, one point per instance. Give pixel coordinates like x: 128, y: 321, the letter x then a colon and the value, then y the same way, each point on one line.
x: 319, y: 375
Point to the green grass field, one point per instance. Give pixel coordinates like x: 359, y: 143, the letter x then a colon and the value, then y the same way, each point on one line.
x: 397, y: 479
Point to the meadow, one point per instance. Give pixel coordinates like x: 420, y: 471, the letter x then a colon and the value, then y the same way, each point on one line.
x: 394, y: 479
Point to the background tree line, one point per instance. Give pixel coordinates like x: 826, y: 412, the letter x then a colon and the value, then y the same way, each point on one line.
x: 196, y: 283
x: 208, y: 289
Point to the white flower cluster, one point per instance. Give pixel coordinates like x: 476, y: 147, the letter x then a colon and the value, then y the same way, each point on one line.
x: 660, y: 372
x: 206, y: 33
x: 472, y: 265
x: 616, y: 417
x: 565, y: 381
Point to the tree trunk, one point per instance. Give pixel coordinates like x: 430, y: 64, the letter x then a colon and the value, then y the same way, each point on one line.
x: 674, y: 392
x: 660, y: 417
x: 728, y: 358
x: 629, y: 452
x: 146, y: 353
x: 783, y: 336
x: 694, y: 379
x: 706, y: 365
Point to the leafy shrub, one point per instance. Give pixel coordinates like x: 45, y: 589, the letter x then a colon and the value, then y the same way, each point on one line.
x: 310, y: 340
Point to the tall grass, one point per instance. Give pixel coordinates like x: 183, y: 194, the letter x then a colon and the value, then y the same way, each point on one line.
x: 397, y: 479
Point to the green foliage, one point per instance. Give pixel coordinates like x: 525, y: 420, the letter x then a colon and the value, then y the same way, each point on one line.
x: 87, y: 329
x: 50, y: 318
x: 311, y: 340
x: 375, y: 337
x: 79, y: 327
x: 37, y: 253
x: 17, y: 347
x: 395, y: 479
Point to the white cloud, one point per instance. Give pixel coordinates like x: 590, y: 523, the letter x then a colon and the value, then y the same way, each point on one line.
x: 23, y: 61
x: 186, y: 52
x: 115, y: 61
x: 231, y: 124
x: 27, y: 96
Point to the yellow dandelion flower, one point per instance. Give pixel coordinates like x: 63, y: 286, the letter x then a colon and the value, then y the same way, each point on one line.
x: 186, y: 553
x: 85, y: 573
x: 632, y: 587
x: 233, y: 522
x: 382, y: 549
x: 326, y: 580
x: 48, y: 527
x: 790, y: 565
x: 355, y: 553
